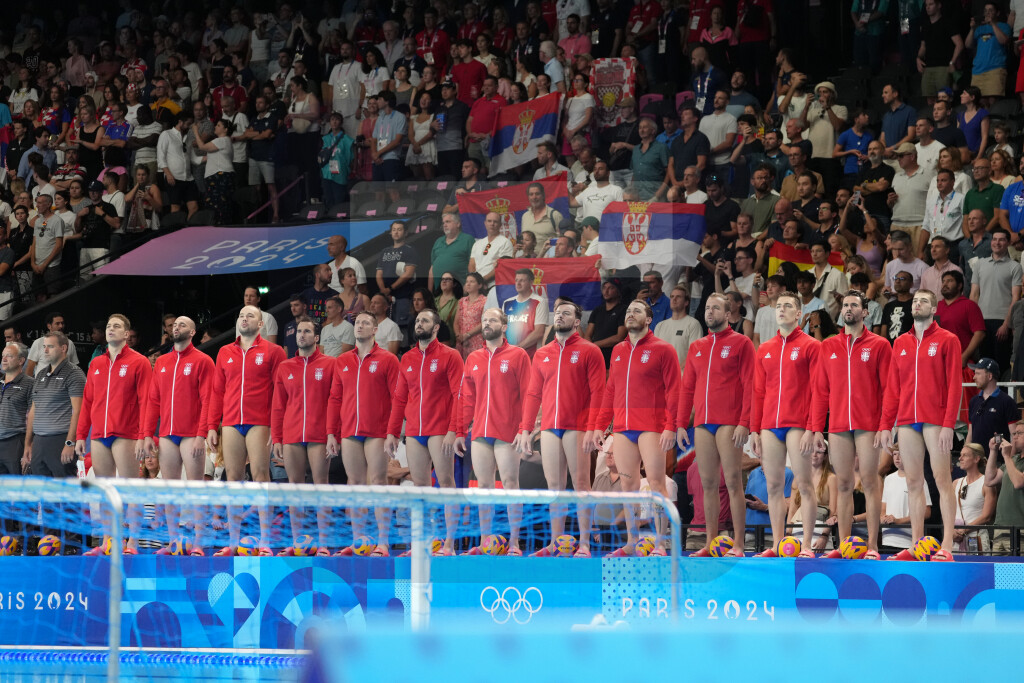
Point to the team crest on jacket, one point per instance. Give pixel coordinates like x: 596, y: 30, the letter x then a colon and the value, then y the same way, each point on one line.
x: 318, y: 374
x: 188, y: 369
x: 725, y: 351
x: 373, y: 366
x: 865, y: 355
x: 433, y: 365
x: 933, y: 348
x: 503, y: 366
x: 645, y: 356
x: 794, y: 354
x: 124, y: 370
x: 259, y: 359
x: 575, y: 357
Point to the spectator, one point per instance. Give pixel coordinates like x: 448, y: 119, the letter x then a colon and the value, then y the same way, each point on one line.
x: 908, y: 196
x: 481, y: 121
x: 7, y: 283
x: 992, y: 411
x: 540, y: 219
x: 451, y: 252
x: 422, y: 155
x: 931, y: 278
x: 336, y: 334
x: 996, y: 287
x: 706, y: 81
x: 592, y: 201
x: 297, y: 309
x: 720, y: 212
x: 21, y: 238
x: 1001, y: 137
x: 875, y: 182
x: 335, y: 160
x: 829, y: 283
x: 985, y: 195
x: 552, y: 67
x: 689, y: 192
x: 1011, y: 211
x: 467, y: 73
x: 897, y: 314
x: 432, y: 43
x: 415, y: 64
x: 652, y: 295
x: 973, y: 120
x: 719, y: 127
x: 42, y: 147
x: 220, y: 171
x: 261, y: 135
x: 396, y: 272
x: 344, y: 89
x: 810, y: 301
x: 940, y: 48
x: 239, y: 143
x: 773, y: 156
x: 649, y: 162
x: 449, y: 292
x: 898, y: 123
x: 607, y: 324
x: 823, y: 118
x: 449, y: 126
x: 805, y: 203
x: 798, y: 166
x: 337, y: 249
x: 174, y: 166
x: 739, y: 97
x: 303, y: 123
x: 680, y: 330
x: 976, y: 503
x: 761, y: 204
x: 143, y: 202
x: 896, y: 507
x: 928, y: 149
x: 487, y: 250
x: 1005, y: 471
x: 860, y: 282
x: 528, y: 314
x: 670, y: 128
x: 977, y: 245
x: 757, y: 509
x: 765, y: 324
x: 690, y: 148
x: 943, y: 216
x: 852, y: 147
x: 903, y: 259
x: 389, y: 335
x: 826, y: 490
x: 470, y: 308
x: 95, y: 223
x: 578, y: 115
x: 961, y: 316
x: 607, y: 23
x: 251, y: 297
x: 988, y: 71
x: 316, y: 296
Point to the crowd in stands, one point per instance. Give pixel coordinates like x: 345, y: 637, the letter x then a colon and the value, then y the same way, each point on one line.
x: 908, y: 170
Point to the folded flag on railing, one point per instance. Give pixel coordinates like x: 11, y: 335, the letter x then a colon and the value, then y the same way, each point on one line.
x: 650, y: 234
x: 576, y: 278
x: 510, y: 203
x: 518, y: 130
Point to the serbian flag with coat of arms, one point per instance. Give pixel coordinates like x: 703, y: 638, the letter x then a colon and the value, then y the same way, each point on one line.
x: 576, y: 278
x: 518, y: 130
x: 649, y: 234
x: 780, y: 252
x: 510, y: 202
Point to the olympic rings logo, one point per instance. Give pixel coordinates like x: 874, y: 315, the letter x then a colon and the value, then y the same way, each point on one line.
x: 511, y: 603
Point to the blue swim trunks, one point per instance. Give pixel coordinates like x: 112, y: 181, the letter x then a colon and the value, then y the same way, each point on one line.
x: 360, y: 439
x: 558, y: 432
x: 176, y: 440
x: 711, y: 428
x: 632, y: 434
x: 421, y: 440
x: 916, y: 426
x: 780, y: 433
x: 489, y: 440
x: 107, y: 441
x: 243, y: 429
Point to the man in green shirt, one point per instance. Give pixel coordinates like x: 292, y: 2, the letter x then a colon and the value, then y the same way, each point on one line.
x: 1008, y: 479
x: 986, y: 195
x: 450, y: 253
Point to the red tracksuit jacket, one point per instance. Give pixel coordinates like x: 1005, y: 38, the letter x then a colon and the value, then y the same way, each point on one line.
x: 569, y: 382
x: 115, y: 391
x: 302, y: 390
x: 924, y: 380
x: 360, y: 401
x: 784, y: 370
x: 717, y: 380
x: 494, y: 386
x: 850, y: 382
x: 427, y: 391
x: 243, y: 385
x: 642, y: 393
x: 180, y: 393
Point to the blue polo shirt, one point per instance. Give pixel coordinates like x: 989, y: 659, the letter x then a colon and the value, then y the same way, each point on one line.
x: 757, y: 485
x: 1013, y: 203
x: 660, y: 309
x: 895, y: 123
x: 848, y: 140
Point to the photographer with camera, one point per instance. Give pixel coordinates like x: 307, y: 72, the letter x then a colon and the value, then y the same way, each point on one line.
x: 1005, y: 472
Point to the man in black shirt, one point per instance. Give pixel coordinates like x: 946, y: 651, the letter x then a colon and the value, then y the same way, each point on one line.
x: 95, y: 222
x: 690, y: 148
x: 607, y: 23
x: 874, y: 183
x: 449, y: 128
x: 941, y: 44
x: 607, y: 326
x: 396, y: 273
x: 946, y: 131
x: 705, y: 270
x: 21, y: 144
x: 897, y: 316
x: 720, y: 212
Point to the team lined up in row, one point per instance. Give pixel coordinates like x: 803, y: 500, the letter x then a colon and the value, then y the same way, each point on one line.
x: 312, y: 407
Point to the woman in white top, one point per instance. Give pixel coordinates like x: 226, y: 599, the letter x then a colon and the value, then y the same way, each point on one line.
x: 579, y: 112
x: 483, y: 48
x: 220, y: 172
x: 524, y: 76
x: 1002, y: 168
x: 975, y: 502
x: 826, y: 489
x: 303, y: 122
x: 422, y: 156
x: 259, y: 49
x: 375, y: 77
x: 23, y: 91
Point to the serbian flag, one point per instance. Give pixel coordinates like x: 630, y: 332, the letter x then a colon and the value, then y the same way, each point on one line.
x: 510, y: 201
x: 648, y: 234
x: 576, y: 278
x: 518, y: 130
x: 780, y: 252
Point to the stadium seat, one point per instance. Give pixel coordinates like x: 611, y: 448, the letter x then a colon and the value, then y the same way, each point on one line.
x: 1007, y: 108
x: 683, y: 97
x: 339, y: 211
x: 173, y: 221
x: 645, y: 100
x: 202, y: 217
x: 312, y: 212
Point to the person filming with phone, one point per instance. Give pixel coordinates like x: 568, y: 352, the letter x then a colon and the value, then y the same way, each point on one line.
x: 1004, y: 471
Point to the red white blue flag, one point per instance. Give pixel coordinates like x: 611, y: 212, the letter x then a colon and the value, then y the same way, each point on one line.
x: 650, y: 234
x: 510, y: 202
x: 518, y: 130
x: 576, y: 278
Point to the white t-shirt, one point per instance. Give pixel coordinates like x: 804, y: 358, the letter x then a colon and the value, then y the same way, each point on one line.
x: 563, y: 8
x: 348, y: 262
x: 269, y: 324
x: 716, y: 126
x: 333, y: 336
x: 374, y: 80
x: 35, y: 352
x: 219, y: 161
x: 680, y: 334
x: 594, y: 199
x: 485, y: 263
x: 239, y: 148
x: 577, y: 108
x: 344, y: 81
x: 765, y: 323
x: 698, y: 197
x: 928, y: 157
x: 144, y: 155
x: 897, y: 503
x: 387, y: 331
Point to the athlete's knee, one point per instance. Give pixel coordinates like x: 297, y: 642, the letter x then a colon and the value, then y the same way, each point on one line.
x: 845, y: 485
